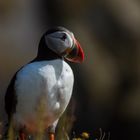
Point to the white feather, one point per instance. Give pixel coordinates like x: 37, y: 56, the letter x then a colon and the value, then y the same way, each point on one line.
x: 55, y: 43
x: 46, y: 84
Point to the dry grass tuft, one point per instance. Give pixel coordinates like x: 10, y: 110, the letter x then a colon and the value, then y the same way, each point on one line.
x: 63, y: 135
x: 63, y: 131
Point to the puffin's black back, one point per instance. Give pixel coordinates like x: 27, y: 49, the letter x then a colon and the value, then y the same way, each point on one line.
x: 10, y: 98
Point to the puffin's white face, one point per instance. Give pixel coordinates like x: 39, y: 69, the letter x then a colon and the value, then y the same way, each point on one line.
x: 59, y: 41
x: 62, y: 42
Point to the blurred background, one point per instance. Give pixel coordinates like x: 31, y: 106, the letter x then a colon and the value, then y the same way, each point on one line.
x: 107, y: 85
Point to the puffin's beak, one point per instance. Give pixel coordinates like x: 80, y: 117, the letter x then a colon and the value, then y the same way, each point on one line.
x: 76, y: 54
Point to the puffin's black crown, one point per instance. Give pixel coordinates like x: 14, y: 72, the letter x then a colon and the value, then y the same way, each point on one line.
x: 55, y: 29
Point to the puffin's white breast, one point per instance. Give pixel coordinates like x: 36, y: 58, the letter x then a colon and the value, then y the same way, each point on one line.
x: 43, y: 88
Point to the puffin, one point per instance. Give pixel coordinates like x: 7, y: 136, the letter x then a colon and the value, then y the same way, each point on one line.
x: 40, y: 91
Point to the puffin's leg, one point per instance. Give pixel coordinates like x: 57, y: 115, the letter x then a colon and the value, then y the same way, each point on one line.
x: 51, y: 136
x: 22, y: 134
x: 51, y: 130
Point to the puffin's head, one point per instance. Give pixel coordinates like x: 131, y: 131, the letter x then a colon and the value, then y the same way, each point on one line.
x: 63, y: 43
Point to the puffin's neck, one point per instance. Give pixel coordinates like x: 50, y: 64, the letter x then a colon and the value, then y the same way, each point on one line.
x: 44, y: 53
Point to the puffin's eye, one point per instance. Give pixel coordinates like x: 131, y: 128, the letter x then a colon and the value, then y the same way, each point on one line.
x: 64, y: 37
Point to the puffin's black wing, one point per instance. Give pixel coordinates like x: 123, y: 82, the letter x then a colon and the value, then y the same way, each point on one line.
x: 10, y: 98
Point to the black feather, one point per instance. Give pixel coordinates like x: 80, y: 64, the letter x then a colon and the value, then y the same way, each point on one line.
x: 11, y: 98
